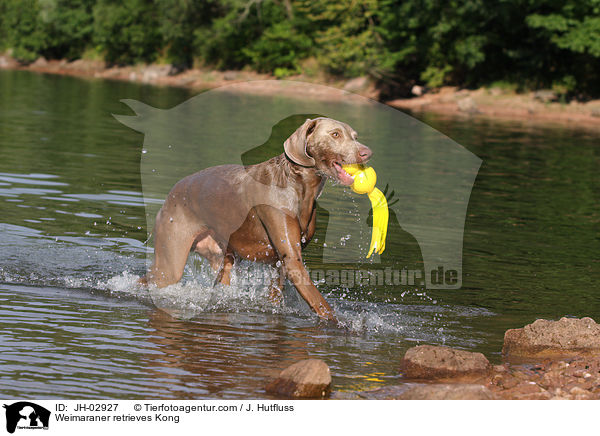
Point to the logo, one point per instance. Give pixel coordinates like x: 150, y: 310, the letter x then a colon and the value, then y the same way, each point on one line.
x: 26, y: 415
x: 428, y: 177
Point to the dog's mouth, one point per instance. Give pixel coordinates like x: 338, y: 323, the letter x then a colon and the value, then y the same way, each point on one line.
x: 343, y: 177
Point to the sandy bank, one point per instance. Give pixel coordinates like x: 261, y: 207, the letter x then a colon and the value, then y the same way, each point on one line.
x: 537, y: 107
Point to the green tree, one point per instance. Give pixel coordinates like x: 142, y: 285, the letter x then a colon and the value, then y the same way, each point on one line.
x: 228, y: 42
x: 67, y: 25
x: 179, y: 19
x: 571, y: 31
x: 50, y: 28
x: 127, y: 31
x: 347, y: 36
x: 280, y: 47
x: 534, y: 43
x: 23, y: 33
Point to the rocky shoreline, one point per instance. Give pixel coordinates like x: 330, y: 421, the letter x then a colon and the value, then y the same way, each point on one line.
x: 545, y: 360
x: 541, y: 107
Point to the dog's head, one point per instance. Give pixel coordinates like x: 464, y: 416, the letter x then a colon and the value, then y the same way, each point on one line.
x: 326, y: 145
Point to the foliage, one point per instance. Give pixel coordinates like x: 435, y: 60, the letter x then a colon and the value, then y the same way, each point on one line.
x: 179, y: 19
x: 280, y: 47
x: 67, y: 25
x: 50, y: 28
x: 347, y: 39
x: 127, y: 30
x: 572, y: 32
x: 20, y: 29
x: 533, y: 43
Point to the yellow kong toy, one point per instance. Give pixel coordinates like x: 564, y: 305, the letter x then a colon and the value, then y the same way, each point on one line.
x: 364, y: 183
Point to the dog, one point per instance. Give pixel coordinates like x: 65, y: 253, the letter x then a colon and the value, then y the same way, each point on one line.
x: 264, y: 212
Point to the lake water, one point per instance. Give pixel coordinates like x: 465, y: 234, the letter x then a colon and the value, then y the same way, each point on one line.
x: 74, y: 324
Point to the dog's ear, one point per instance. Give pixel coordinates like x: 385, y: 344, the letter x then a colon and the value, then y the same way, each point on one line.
x: 295, y: 145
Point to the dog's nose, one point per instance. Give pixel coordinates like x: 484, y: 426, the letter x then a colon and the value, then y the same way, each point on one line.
x: 364, y: 152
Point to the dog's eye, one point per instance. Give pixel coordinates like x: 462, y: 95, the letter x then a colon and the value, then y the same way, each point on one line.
x: 335, y: 134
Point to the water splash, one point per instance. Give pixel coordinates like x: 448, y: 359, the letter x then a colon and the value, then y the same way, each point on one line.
x: 249, y: 292
x: 113, y: 266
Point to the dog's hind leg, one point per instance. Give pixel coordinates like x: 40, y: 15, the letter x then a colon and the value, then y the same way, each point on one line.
x: 170, y: 257
x: 224, y: 276
x: 206, y: 246
x: 172, y: 244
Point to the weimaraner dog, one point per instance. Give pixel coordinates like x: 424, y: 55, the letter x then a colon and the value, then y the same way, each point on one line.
x: 264, y: 212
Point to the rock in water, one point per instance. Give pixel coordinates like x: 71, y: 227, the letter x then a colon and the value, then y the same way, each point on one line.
x: 545, y: 95
x: 468, y: 105
x: 453, y: 391
x: 8, y: 62
x: 40, y: 62
x: 230, y: 75
x: 417, y: 90
x: 419, y: 391
x: 357, y: 84
x: 433, y: 362
x: 154, y: 72
x: 543, y: 338
x: 308, y: 378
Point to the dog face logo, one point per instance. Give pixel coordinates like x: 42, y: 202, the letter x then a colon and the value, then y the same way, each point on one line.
x: 26, y: 415
x: 428, y: 175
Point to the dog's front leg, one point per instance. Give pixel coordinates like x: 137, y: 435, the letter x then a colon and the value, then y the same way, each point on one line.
x: 284, y: 232
x: 277, y: 285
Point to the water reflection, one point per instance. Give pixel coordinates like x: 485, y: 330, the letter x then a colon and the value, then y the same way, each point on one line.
x: 223, y: 355
x: 72, y: 232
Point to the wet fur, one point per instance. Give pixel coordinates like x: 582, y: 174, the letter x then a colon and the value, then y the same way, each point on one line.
x: 264, y: 212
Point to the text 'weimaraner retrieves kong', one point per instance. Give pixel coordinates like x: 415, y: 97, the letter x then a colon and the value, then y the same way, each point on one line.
x: 264, y: 212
